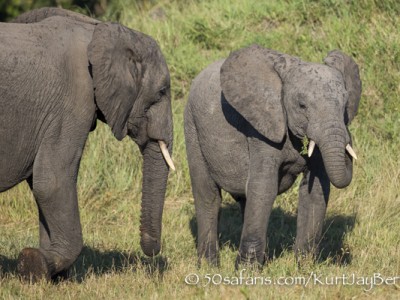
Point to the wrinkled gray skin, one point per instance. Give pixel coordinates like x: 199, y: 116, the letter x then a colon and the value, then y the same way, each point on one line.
x: 244, y: 124
x: 57, y: 76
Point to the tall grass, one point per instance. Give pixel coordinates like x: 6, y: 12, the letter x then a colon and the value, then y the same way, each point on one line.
x: 362, y: 231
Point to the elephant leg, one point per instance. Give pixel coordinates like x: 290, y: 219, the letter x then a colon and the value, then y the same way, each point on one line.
x: 313, y: 200
x: 207, y: 199
x: 262, y: 189
x: 44, y: 234
x: 54, y: 187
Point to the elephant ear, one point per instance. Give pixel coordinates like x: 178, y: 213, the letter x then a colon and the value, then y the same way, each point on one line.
x: 116, y: 66
x: 284, y: 64
x: 253, y: 88
x: 349, y: 69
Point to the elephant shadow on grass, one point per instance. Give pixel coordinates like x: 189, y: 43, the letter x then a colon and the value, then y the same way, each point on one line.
x: 93, y: 262
x: 282, y: 233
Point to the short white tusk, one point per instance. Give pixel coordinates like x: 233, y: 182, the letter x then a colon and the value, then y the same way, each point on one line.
x: 351, y: 151
x: 166, y: 155
x: 311, y: 147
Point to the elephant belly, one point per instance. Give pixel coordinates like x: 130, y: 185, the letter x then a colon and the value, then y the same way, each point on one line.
x: 17, y: 151
x: 12, y: 174
x: 227, y: 162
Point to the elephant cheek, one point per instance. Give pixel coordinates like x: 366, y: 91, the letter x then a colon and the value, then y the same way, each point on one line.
x: 160, y: 125
x: 137, y: 130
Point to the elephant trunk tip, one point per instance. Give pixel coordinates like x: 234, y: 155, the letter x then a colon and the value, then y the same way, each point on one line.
x: 341, y: 184
x: 151, y: 246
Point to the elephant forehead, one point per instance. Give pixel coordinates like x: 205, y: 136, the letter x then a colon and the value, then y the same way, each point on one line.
x: 316, y: 80
x: 318, y: 74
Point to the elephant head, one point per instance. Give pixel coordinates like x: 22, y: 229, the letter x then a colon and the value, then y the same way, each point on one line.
x: 132, y: 93
x: 275, y: 93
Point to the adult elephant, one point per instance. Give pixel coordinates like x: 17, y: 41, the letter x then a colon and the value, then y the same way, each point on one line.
x: 245, y: 123
x: 58, y: 76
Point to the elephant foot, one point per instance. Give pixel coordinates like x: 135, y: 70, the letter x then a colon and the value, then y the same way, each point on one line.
x: 251, y: 253
x: 305, y: 257
x: 62, y: 276
x: 213, y: 261
x: 32, y: 266
x: 250, y: 262
x: 210, y: 260
x: 209, y: 251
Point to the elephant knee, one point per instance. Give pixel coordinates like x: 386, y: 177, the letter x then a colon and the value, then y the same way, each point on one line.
x: 45, y: 187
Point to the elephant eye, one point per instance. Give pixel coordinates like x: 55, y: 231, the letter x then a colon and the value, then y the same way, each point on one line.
x: 161, y: 93
x: 302, y: 105
x: 301, y: 100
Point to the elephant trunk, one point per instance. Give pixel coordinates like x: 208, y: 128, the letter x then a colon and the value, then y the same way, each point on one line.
x: 155, y: 175
x: 338, y: 163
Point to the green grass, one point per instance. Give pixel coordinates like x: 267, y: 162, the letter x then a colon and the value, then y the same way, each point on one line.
x: 362, y: 228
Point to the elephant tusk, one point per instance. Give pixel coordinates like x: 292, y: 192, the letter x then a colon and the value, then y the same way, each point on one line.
x: 311, y: 147
x: 351, y: 151
x: 166, y: 155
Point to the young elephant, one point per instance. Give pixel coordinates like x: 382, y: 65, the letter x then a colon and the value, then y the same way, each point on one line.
x: 57, y: 76
x: 245, y: 122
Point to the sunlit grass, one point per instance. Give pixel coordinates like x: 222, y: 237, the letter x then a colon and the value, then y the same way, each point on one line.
x: 362, y: 230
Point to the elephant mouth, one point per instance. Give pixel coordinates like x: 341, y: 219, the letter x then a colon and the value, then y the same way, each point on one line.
x: 311, y: 147
x: 163, y: 148
x: 139, y: 135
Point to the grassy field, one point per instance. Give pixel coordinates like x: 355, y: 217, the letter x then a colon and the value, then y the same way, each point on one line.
x: 362, y: 231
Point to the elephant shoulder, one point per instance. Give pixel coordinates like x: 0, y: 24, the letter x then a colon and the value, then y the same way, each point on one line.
x: 205, y: 92
x: 66, y: 43
x: 59, y: 28
x: 208, y: 77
